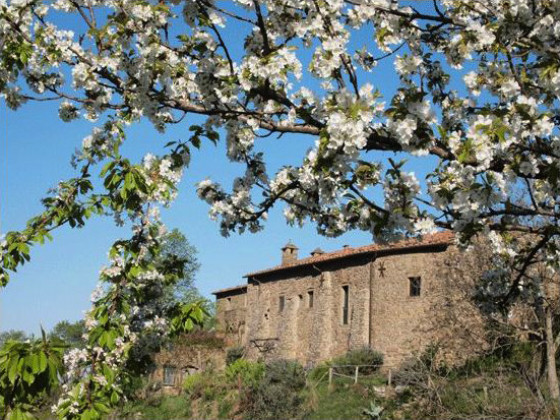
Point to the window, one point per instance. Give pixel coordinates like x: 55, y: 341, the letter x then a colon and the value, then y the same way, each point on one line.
x: 415, y: 286
x: 310, y: 298
x: 281, y: 303
x: 345, y: 305
x: 169, y: 375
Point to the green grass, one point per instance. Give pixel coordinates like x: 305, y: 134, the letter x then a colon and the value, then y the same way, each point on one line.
x: 340, y: 403
x: 343, y: 399
x: 161, y: 408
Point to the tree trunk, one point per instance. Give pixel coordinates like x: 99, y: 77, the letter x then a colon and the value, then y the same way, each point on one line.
x: 551, y: 359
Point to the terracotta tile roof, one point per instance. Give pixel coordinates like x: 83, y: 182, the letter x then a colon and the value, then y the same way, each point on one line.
x: 230, y: 289
x: 439, y: 238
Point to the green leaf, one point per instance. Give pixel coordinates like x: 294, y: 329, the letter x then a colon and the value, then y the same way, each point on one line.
x: 129, y: 182
x: 90, y: 414
x: 101, y: 408
x: 114, y: 398
x: 18, y: 414
x: 42, y: 362
x: 34, y: 363
x: 13, y: 370
x: 53, y: 373
x: 189, y: 325
x: 28, y: 376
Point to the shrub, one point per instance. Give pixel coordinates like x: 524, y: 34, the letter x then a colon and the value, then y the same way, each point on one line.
x: 286, y: 372
x: 207, y: 386
x: 233, y: 354
x: 319, y: 372
x: 279, y: 394
x: 192, y: 383
x: 249, y: 373
x: 371, y: 359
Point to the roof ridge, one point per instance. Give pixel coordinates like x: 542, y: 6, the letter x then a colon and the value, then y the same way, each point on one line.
x: 230, y: 289
x: 437, y: 238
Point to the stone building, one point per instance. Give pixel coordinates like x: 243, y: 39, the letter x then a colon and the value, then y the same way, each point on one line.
x: 172, y: 365
x: 394, y: 298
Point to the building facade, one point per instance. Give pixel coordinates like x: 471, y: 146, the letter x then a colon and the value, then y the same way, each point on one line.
x: 395, y: 298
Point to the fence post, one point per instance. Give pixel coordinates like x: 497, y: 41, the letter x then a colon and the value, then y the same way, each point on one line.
x: 389, y: 377
x: 330, y: 375
x: 356, y: 374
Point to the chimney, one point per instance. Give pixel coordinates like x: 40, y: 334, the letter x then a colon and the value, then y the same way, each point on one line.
x: 316, y: 252
x: 289, y: 253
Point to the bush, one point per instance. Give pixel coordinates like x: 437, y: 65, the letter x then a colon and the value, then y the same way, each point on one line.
x: 233, y: 354
x: 249, y: 373
x: 279, y: 394
x: 319, y: 372
x: 286, y: 372
x: 371, y: 359
x: 193, y: 383
x: 205, y: 385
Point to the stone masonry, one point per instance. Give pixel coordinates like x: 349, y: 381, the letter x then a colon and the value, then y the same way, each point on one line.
x: 394, y: 298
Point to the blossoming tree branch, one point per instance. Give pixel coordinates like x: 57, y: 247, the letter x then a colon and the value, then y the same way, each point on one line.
x: 477, y: 97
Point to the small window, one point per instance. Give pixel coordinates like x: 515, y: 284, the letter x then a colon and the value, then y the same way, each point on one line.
x: 281, y: 303
x: 169, y: 375
x: 415, y: 286
x: 310, y: 298
x: 345, y: 290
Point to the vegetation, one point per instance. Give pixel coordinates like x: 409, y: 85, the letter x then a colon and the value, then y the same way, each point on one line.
x: 31, y: 369
x: 495, y: 385
x: 368, y: 359
x: 176, y: 246
x: 29, y: 373
x: 71, y: 333
x: 14, y: 335
x: 343, y: 400
x: 500, y: 384
x: 161, y: 408
x: 245, y: 373
x: 234, y: 353
x: 278, y: 395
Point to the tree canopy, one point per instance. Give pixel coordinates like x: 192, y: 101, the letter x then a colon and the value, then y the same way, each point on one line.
x: 178, y: 246
x: 12, y: 335
x: 477, y: 97
x: 70, y: 333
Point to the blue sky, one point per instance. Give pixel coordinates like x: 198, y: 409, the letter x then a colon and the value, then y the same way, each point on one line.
x: 56, y: 284
x: 35, y: 152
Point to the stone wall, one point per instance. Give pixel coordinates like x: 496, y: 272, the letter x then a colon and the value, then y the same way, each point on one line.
x: 443, y: 313
x: 184, y: 360
x: 302, y: 332
x: 231, y: 316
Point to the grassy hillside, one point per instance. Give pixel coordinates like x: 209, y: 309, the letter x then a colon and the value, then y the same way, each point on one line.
x: 504, y: 386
